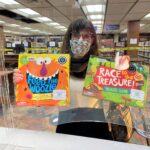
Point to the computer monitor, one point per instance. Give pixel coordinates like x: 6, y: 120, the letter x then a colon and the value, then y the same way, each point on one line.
x: 19, y: 48
x: 26, y: 44
x: 52, y: 44
x: 8, y: 45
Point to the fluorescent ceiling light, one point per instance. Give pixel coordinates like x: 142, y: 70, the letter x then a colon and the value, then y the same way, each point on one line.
x: 43, y: 19
x: 26, y: 28
x: 93, y: 17
x: 7, y: 31
x: 28, y: 11
x: 13, y: 32
x: 25, y: 33
x: 8, y: 2
x: 42, y: 32
x: 99, y: 29
x: 2, y: 21
x: 98, y: 26
x: 147, y: 16
x: 54, y: 23
x: 95, y: 8
x: 46, y: 33
x: 12, y: 25
x: 97, y: 22
x: 16, y: 32
x: 60, y: 27
x: 35, y: 30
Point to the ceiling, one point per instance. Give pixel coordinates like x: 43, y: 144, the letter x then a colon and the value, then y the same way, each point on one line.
x: 122, y: 11
x: 63, y: 12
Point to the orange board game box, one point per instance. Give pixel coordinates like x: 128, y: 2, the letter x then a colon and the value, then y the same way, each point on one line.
x: 45, y: 80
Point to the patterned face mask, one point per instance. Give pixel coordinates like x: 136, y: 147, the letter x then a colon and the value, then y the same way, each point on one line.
x: 79, y: 47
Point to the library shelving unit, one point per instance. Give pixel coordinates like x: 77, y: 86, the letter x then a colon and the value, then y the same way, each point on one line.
x: 144, y: 51
x: 145, y: 55
x: 107, y: 54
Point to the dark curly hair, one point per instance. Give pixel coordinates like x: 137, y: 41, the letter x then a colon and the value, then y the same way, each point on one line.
x: 77, y: 26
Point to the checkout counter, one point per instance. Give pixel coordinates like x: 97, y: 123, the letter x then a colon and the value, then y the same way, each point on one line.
x: 19, y: 139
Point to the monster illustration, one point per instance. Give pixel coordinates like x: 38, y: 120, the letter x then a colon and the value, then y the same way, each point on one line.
x: 45, y: 80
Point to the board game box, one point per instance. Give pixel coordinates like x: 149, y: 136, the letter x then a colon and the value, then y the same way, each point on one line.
x: 127, y: 87
x: 45, y: 80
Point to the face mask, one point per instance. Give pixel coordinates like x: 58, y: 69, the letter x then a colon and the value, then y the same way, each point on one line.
x: 79, y: 47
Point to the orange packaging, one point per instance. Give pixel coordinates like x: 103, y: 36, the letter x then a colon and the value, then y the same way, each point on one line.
x: 46, y: 80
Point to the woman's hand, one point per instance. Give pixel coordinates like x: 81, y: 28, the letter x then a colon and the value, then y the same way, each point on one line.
x: 17, y: 76
x: 122, y: 62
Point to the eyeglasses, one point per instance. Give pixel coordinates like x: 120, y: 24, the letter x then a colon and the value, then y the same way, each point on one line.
x: 76, y: 35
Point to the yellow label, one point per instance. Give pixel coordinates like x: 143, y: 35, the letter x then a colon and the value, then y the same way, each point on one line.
x: 42, y: 96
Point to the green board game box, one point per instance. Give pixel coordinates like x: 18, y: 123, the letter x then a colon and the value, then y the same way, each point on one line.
x: 127, y: 87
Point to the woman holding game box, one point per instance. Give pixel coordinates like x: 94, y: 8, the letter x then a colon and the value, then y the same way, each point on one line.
x: 85, y: 115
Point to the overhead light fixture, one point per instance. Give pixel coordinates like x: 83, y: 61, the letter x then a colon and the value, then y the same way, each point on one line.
x: 46, y: 33
x: 25, y: 28
x: 28, y: 11
x: 2, y: 22
x: 7, y: 31
x: 95, y: 17
x: 45, y: 19
x: 98, y: 27
x: 147, y: 16
x: 60, y: 27
x: 16, y: 32
x: 25, y: 33
x: 95, y: 8
x: 53, y: 24
x: 43, y: 32
x: 8, y: 2
x: 13, y: 32
x: 97, y: 22
x: 35, y: 30
x: 12, y: 25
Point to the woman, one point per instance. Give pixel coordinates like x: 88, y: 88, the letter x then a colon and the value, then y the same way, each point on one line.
x: 85, y: 115
x: 80, y: 42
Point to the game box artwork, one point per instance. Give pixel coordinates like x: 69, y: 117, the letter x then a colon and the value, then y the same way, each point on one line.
x: 45, y: 80
x: 127, y: 87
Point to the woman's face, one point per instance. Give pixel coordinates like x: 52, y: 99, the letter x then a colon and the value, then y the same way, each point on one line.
x: 80, y: 43
x: 84, y: 34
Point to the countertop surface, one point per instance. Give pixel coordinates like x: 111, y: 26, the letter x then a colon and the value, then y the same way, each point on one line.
x: 19, y: 139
